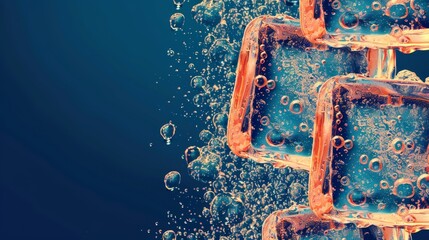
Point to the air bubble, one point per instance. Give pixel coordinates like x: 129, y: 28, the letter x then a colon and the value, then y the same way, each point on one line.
x: 261, y: 81
x: 402, y: 210
x: 375, y: 165
x: 296, y: 107
x: 398, y: 145
x: 299, y: 148
x: 423, y: 182
x: 192, y: 153
x: 403, y: 188
x: 209, y: 196
x: 167, y: 132
x: 198, y: 82
x: 348, y: 144
x: 284, y: 100
x: 397, y: 11
x: 169, y: 235
x: 349, y: 20
x: 265, y: 121
x: 303, y: 127
x: 271, y: 84
x: 384, y: 184
x: 177, y: 21
x: 336, y: 4
x: 356, y: 197
x: 381, y: 206
x: 337, y: 142
x: 205, y: 136
x: 409, y: 144
x: 276, y: 137
x: 376, y: 5
x: 345, y: 181
x: 172, y: 180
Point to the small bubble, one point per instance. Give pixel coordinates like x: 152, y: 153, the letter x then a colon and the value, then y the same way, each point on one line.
x: 356, y: 197
x: 396, y: 31
x: 402, y: 210
x: 423, y: 182
x: 265, y: 121
x: 198, y: 82
x: 172, y: 180
x: 271, y: 84
x: 192, y: 153
x: 384, y: 184
x: 336, y: 4
x: 376, y: 5
x: 170, y: 52
x: 303, y: 127
x: 375, y: 165
x: 276, y: 137
x: 169, y: 235
x: 409, y: 144
x: 403, y: 188
x: 224, y: 208
x: 345, y: 181
x: 374, y: 27
x: 398, y: 145
x: 348, y: 144
x: 167, y: 132
x: 220, y: 120
x: 299, y: 148
x: 261, y: 81
x: 338, y: 142
x: 349, y: 20
x: 205, y: 136
x: 284, y: 100
x: 296, y: 107
x: 199, y: 99
x: 397, y: 11
x: 209, y: 195
x: 381, y: 206
x: 177, y: 21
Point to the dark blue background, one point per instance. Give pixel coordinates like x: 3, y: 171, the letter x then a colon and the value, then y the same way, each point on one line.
x: 84, y: 89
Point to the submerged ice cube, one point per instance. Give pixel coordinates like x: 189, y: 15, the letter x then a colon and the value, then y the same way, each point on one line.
x: 370, y: 157
x: 379, y: 24
x: 299, y: 222
x: 278, y: 78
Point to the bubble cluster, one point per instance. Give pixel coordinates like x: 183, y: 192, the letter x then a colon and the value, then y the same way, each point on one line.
x: 236, y: 194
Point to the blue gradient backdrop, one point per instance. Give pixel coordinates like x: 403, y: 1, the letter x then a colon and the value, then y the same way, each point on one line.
x: 84, y: 89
